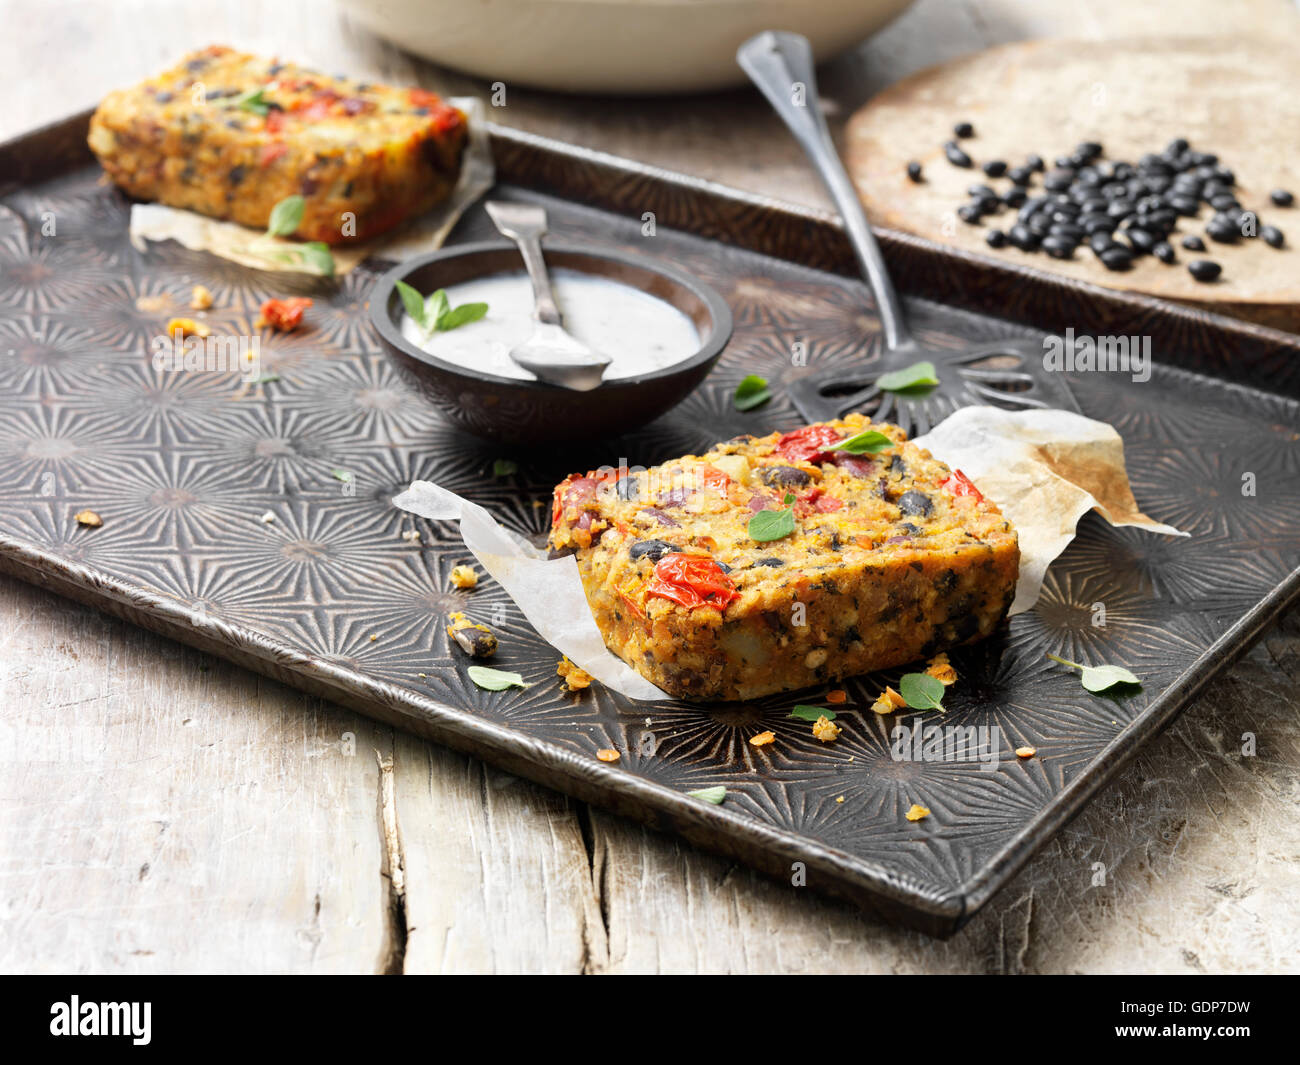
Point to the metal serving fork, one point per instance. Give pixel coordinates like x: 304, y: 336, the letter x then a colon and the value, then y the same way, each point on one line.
x: 781, y: 65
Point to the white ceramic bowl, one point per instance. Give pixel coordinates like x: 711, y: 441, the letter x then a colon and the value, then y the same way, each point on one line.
x: 612, y: 46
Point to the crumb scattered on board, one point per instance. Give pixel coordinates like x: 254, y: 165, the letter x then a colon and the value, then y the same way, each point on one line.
x: 200, y: 298
x: 917, y: 812
x: 888, y: 702
x: 284, y: 316
x: 608, y: 755
x: 575, y: 679
x: 1026, y: 751
x: 940, y: 669
x: 763, y: 739
x: 825, y: 729
x: 464, y: 577
x: 474, y: 639
x: 187, y: 327
x: 89, y: 518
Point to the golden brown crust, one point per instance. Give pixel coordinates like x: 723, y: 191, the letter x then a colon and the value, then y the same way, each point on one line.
x: 891, y: 559
x: 230, y: 135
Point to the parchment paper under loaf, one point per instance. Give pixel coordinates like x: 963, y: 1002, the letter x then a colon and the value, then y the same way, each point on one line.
x: 1045, y: 469
x: 154, y: 221
x: 548, y: 591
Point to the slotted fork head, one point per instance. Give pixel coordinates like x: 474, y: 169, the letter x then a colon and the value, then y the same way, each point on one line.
x: 1001, y: 373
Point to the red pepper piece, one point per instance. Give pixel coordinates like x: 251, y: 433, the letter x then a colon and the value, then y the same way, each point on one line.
x: 271, y: 152
x: 631, y: 605
x: 423, y: 98
x: 714, y: 478
x: 445, y: 118
x: 691, y: 581
x: 959, y: 485
x: 809, y: 444
x: 285, y: 315
x: 805, y: 503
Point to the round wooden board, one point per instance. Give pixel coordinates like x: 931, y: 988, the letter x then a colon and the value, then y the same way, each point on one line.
x: 1237, y: 97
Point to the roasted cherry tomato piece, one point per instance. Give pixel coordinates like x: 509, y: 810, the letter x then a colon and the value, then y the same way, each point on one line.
x: 691, y: 581
x: 959, y: 485
x: 809, y: 444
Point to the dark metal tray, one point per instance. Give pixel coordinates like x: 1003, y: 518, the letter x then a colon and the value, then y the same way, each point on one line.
x: 329, y: 597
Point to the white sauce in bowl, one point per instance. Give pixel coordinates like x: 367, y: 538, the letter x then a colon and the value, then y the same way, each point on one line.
x: 638, y: 332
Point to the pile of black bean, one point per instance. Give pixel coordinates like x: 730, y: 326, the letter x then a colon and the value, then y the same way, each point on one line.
x: 1120, y: 210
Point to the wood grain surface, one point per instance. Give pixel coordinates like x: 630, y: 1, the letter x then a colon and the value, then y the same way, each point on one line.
x: 164, y: 811
x: 1238, y: 97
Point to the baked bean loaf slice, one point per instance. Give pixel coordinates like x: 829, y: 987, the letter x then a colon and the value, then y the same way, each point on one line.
x: 861, y: 561
x: 230, y: 135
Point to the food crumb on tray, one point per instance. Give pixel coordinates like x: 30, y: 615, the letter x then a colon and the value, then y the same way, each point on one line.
x: 187, y: 327
x: 888, y: 702
x: 284, y: 316
x: 940, y: 669
x: 471, y: 637
x: 826, y: 730
x: 575, y: 679
x: 917, y: 812
x: 464, y: 577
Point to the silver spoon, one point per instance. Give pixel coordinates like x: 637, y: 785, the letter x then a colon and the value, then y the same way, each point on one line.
x: 551, y: 354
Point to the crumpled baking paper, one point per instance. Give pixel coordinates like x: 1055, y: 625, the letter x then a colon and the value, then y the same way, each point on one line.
x: 1044, y: 468
x: 548, y: 591
x: 154, y: 221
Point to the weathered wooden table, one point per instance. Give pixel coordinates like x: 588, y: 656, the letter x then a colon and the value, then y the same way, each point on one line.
x: 164, y: 811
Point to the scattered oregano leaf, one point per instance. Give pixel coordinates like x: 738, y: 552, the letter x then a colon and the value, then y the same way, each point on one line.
x: 811, y: 713
x: 918, y: 375
x: 713, y: 795
x: 921, y: 691
x: 495, y: 680
x: 1098, y: 678
x: 751, y: 392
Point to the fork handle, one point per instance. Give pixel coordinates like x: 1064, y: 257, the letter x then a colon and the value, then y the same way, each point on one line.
x: 777, y: 62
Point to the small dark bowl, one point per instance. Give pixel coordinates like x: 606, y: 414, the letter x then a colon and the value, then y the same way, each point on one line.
x: 516, y: 411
